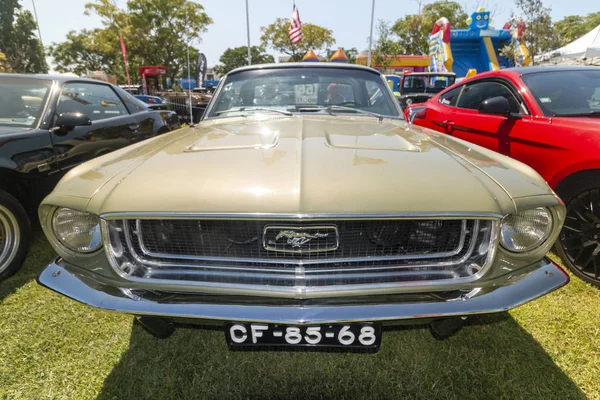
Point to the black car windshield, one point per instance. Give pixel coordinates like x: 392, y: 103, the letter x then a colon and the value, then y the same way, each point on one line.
x: 22, y: 100
x: 566, y: 93
x: 429, y: 83
x: 325, y: 90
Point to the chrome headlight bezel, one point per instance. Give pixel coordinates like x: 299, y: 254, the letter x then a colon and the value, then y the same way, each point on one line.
x: 545, y: 232
x: 61, y: 245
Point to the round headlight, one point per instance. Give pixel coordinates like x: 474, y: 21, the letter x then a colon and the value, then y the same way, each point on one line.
x: 76, y: 230
x: 409, y: 101
x: 526, y: 230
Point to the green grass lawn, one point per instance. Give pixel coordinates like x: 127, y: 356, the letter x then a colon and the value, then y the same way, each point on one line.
x: 52, y: 347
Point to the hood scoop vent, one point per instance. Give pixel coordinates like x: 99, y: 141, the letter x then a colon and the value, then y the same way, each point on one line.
x: 227, y: 139
x: 379, y: 137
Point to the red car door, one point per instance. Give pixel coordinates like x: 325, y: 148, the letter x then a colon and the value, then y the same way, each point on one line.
x: 439, y: 111
x: 487, y: 130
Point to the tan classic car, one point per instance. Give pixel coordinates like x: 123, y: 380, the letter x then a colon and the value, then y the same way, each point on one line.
x: 303, y: 210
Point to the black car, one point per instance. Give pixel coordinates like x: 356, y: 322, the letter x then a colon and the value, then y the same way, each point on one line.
x: 418, y: 87
x: 50, y: 124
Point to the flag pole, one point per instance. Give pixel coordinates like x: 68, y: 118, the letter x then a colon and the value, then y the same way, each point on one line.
x: 371, y: 34
x: 248, y: 33
x: 124, y: 51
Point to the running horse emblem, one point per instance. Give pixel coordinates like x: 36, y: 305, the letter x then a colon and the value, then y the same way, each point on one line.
x: 298, y: 239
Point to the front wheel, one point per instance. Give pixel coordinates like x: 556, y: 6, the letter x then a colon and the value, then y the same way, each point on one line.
x: 15, y: 233
x: 579, y: 242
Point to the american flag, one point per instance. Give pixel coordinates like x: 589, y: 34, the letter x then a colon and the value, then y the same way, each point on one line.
x: 295, y: 27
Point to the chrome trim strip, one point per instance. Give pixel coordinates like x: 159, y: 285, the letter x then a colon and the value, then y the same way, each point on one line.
x: 524, y: 285
x: 299, y: 280
x: 456, y: 251
x: 295, y: 216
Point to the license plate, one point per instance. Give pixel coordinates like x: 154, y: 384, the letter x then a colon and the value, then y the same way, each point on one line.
x: 355, y: 335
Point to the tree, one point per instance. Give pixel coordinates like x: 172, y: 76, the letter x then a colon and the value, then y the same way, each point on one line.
x: 315, y: 37
x: 385, y: 45
x: 574, y: 26
x: 351, y: 53
x: 22, y: 49
x: 510, y: 51
x: 4, y: 67
x: 413, y: 30
x: 156, y: 32
x: 81, y: 53
x: 539, y: 35
x: 238, y: 57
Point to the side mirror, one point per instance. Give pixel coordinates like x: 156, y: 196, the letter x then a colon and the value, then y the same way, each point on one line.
x: 415, y: 113
x: 496, y: 106
x: 67, y: 121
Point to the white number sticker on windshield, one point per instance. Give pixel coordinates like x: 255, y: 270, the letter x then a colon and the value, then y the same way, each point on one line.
x: 306, y: 93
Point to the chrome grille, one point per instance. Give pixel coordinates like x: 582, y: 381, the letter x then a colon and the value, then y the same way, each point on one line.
x: 246, y: 240
x: 233, y: 253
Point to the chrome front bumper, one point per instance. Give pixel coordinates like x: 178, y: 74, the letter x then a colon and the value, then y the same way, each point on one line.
x: 523, y: 286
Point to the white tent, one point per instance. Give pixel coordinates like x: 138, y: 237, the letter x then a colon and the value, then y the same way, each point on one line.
x: 585, y: 50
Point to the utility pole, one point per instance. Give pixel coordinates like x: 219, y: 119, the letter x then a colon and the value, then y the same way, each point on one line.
x: 371, y: 34
x: 248, y: 33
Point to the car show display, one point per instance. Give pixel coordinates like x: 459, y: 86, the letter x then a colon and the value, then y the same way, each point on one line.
x: 548, y: 118
x: 48, y: 125
x: 319, y: 216
x: 359, y: 200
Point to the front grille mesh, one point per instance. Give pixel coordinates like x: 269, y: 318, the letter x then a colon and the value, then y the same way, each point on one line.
x: 246, y: 240
x: 346, y: 252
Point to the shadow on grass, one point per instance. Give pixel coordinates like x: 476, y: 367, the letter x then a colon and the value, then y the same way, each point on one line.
x: 40, y: 254
x: 492, y: 357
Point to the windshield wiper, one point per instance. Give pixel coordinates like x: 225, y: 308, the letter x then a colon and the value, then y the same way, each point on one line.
x: 342, y: 108
x: 581, y: 114
x: 288, y: 113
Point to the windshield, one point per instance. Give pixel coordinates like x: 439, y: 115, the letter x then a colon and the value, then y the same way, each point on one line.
x: 566, y: 92
x: 426, y: 83
x: 300, y: 89
x: 22, y: 100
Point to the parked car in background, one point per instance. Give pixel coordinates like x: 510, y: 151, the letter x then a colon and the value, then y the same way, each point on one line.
x: 48, y: 125
x: 548, y: 118
x: 180, y: 103
x: 293, y: 215
x: 132, y: 89
x: 150, y: 99
x: 418, y: 87
x: 394, y: 82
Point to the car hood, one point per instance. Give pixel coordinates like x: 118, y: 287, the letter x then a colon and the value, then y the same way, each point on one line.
x: 307, y: 165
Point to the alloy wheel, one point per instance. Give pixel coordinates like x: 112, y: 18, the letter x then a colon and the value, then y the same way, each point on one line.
x: 580, y: 236
x: 10, y: 237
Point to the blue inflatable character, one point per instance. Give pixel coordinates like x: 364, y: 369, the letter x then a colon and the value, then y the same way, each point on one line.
x: 479, y: 20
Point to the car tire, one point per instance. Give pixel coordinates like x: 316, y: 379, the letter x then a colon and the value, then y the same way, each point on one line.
x: 444, y: 328
x: 578, y: 244
x: 158, y: 327
x: 15, y: 235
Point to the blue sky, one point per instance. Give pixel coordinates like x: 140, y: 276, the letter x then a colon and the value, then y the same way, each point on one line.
x: 349, y: 19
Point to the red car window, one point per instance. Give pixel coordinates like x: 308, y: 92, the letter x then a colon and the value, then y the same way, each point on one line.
x: 450, y: 98
x: 474, y: 94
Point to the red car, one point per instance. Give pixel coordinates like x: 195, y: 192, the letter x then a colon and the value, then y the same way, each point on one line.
x: 548, y: 118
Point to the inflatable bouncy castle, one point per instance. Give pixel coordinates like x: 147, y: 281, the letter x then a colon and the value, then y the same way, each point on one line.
x: 477, y: 48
